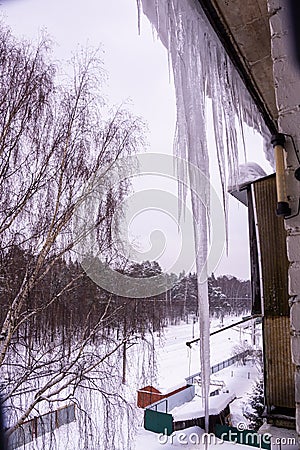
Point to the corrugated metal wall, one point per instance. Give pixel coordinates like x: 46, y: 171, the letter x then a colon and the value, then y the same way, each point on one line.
x: 272, y: 239
x: 279, y: 370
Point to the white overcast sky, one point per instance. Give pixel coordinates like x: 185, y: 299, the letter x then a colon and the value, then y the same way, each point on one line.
x: 138, y: 74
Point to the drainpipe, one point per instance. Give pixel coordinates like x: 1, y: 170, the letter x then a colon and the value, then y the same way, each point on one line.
x: 287, y: 90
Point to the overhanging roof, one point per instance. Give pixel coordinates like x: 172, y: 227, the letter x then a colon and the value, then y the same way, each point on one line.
x: 240, y: 193
x: 243, y: 28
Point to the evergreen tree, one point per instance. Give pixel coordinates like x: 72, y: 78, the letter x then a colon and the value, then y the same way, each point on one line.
x: 257, y: 405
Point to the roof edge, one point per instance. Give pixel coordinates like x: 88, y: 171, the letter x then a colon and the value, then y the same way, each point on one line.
x: 238, y: 61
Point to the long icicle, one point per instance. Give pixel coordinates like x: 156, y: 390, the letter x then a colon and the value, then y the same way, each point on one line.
x: 202, y: 69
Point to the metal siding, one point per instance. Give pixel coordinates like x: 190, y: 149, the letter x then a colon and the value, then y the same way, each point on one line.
x: 272, y: 239
x: 279, y: 369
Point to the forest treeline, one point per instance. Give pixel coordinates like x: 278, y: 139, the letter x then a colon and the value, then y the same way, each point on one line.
x: 83, y: 302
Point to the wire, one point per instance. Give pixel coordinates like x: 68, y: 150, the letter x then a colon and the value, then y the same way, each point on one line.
x: 294, y: 145
x: 298, y: 159
x: 294, y: 215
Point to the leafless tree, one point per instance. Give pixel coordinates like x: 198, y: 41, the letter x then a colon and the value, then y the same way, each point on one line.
x: 54, y: 139
x: 246, y: 352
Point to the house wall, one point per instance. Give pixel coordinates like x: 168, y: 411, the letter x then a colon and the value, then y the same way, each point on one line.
x: 173, y: 399
x: 148, y: 395
x: 287, y: 91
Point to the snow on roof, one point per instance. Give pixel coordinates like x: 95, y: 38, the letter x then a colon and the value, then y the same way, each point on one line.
x: 195, y: 408
x: 150, y: 389
x: 167, y: 390
x: 248, y: 174
x: 250, y: 171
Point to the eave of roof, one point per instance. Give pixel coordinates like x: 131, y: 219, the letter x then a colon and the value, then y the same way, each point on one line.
x: 233, y: 31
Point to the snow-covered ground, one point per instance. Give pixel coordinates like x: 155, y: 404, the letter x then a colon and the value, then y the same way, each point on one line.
x: 175, y: 362
x: 191, y: 438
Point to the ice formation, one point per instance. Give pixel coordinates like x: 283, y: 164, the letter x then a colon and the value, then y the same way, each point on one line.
x: 250, y: 171
x: 202, y: 69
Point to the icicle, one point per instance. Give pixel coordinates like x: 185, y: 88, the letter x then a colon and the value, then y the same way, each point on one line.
x: 202, y: 68
x: 138, y: 4
x: 199, y: 59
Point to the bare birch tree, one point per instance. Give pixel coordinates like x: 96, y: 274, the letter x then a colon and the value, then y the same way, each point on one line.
x: 53, y: 140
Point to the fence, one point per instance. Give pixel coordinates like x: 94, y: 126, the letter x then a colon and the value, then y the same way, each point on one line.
x: 41, y: 425
x: 217, y: 367
x: 156, y: 417
x: 177, y: 399
x: 158, y: 422
x: 245, y: 437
